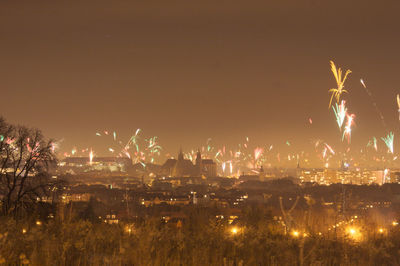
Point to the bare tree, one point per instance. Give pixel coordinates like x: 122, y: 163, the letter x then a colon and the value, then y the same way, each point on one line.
x: 25, y: 158
x: 287, y: 214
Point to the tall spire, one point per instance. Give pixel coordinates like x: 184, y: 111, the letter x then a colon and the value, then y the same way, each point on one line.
x: 180, y: 155
x: 198, y: 158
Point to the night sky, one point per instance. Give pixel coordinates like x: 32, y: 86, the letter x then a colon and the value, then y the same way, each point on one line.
x: 187, y: 71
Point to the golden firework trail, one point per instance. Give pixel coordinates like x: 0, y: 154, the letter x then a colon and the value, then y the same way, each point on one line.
x: 337, y: 73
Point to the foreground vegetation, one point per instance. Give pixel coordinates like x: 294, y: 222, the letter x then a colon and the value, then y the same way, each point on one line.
x: 199, y: 240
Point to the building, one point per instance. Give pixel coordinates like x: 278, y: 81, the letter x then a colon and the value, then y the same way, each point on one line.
x: 84, y: 164
x: 182, y: 167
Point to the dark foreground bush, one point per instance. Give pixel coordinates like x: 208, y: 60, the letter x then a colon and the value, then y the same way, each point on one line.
x: 155, y: 243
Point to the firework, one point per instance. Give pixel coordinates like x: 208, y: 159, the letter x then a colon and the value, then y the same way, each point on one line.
x: 258, y: 152
x: 340, y: 113
x: 389, y: 141
x: 330, y: 148
x: 385, y: 175
x: 337, y: 92
x: 347, y: 128
x: 137, y: 149
x: 209, y: 146
x: 152, y: 148
x: 374, y: 103
x: 91, y: 155
x: 398, y: 104
x: 362, y: 83
x: 373, y: 143
x: 257, y: 155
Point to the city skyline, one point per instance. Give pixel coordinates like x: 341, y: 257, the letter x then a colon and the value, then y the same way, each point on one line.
x: 199, y: 132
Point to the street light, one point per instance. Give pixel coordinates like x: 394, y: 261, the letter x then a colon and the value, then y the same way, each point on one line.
x: 234, y: 230
x: 354, y: 233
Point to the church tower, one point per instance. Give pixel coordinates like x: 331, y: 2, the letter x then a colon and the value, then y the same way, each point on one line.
x: 180, y: 155
x: 199, y: 166
x: 261, y: 175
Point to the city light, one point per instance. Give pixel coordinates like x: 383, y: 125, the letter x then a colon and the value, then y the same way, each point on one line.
x: 129, y: 229
x: 354, y: 233
x: 295, y: 233
x: 234, y: 230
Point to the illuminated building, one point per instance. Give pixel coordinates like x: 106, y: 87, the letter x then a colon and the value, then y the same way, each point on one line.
x: 182, y: 167
x: 346, y: 176
x: 83, y: 164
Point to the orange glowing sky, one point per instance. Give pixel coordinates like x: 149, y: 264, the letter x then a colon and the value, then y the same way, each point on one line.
x: 189, y: 70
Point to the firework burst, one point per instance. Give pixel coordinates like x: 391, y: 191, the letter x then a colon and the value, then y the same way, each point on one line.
x: 340, y: 113
x: 389, y: 141
x: 337, y: 92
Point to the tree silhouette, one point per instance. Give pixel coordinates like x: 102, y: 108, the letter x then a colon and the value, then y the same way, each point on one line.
x: 25, y: 158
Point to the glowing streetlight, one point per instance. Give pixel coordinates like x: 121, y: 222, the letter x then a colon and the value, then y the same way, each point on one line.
x: 394, y: 223
x: 295, y: 233
x: 354, y: 233
x: 129, y: 229
x: 234, y: 230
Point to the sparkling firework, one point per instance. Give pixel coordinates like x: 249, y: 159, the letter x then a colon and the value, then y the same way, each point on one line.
x: 340, y: 113
x: 337, y: 92
x: 398, y: 104
x: 374, y: 103
x: 373, y: 143
x: 385, y: 175
x: 91, y: 155
x: 330, y: 149
x: 137, y: 149
x: 257, y: 155
x: 389, y: 141
x: 362, y: 83
x: 347, y: 128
